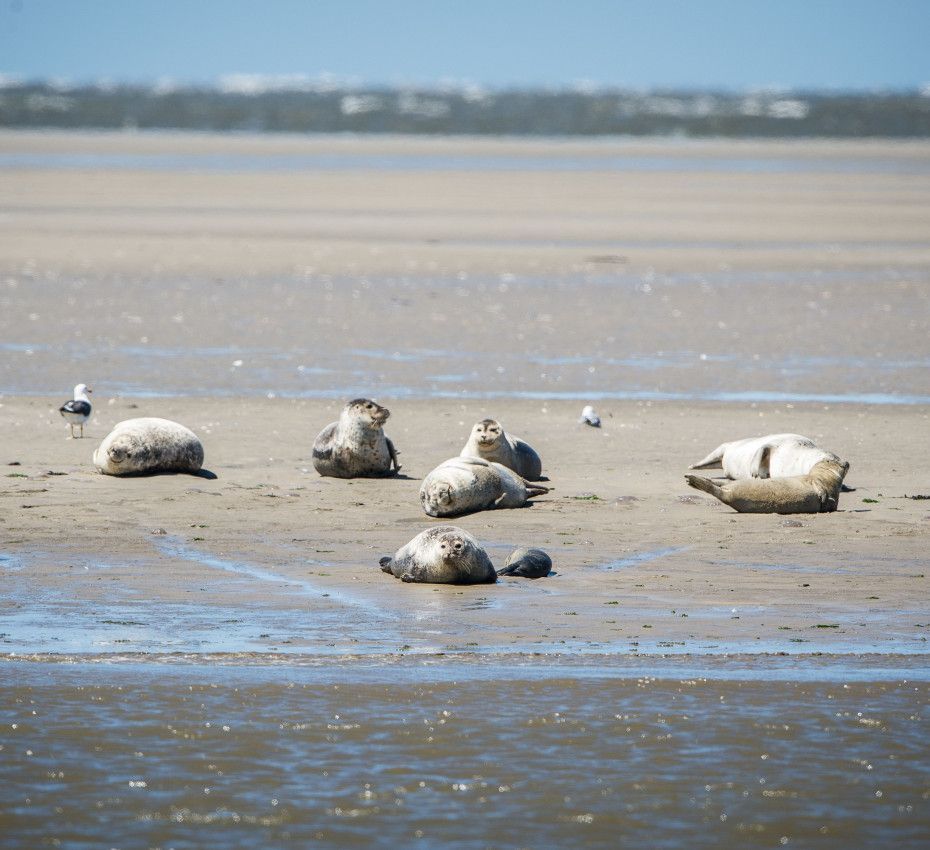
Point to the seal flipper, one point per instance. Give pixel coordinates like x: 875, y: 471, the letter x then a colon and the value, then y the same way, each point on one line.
x: 706, y: 485
x: 536, y: 489
x: 393, y: 453
x: 715, y: 458
x: 759, y: 465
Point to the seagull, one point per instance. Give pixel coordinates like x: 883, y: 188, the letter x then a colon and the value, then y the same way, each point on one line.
x: 77, y: 411
x: 589, y: 417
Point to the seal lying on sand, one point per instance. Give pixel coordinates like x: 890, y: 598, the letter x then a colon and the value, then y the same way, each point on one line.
x: 442, y: 555
x: 816, y: 492
x: 148, y: 445
x: 462, y: 485
x: 527, y: 563
x: 773, y: 456
x: 356, y: 446
x: 489, y: 441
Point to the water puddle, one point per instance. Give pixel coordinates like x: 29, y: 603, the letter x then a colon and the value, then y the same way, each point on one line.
x: 176, y: 549
x: 641, y: 558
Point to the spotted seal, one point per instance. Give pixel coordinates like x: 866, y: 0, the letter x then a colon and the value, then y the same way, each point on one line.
x: 816, y: 492
x: 462, y: 485
x: 488, y: 440
x: 356, y: 446
x: 773, y: 456
x: 149, y: 445
x: 445, y: 554
x: 527, y: 563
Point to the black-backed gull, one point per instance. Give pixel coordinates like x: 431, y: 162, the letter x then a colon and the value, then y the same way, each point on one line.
x: 77, y: 411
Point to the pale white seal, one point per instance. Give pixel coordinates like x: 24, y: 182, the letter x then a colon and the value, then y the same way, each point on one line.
x: 462, y: 485
x: 77, y: 411
x: 773, y: 456
x: 148, y: 445
x: 488, y: 440
x: 816, y: 492
x: 356, y: 446
x: 445, y: 554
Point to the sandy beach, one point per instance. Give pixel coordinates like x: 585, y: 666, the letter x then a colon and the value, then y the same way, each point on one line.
x: 693, y: 301
x: 694, y: 292
x: 643, y: 561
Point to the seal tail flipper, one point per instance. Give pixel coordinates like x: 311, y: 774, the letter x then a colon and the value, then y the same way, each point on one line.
x: 535, y: 489
x: 508, y: 570
x: 704, y: 484
x: 715, y: 458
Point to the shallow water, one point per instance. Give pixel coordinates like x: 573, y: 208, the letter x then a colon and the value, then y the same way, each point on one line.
x: 418, y: 161
x: 301, y: 606
x: 444, y: 755
x: 599, y: 357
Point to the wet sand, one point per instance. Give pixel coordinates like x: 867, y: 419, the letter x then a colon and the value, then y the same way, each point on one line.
x: 696, y: 292
x: 643, y: 562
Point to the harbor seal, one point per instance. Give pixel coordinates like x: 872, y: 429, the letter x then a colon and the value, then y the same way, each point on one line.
x: 816, y: 492
x: 148, y: 445
x: 527, y: 563
x: 356, y: 446
x: 445, y: 554
x: 773, y: 456
x: 78, y: 410
x: 462, y: 485
x: 489, y: 441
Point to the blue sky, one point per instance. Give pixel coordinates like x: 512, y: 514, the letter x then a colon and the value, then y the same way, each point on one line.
x: 730, y: 44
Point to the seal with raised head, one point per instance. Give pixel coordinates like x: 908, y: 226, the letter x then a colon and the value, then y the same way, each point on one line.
x: 149, y: 445
x: 489, y: 441
x: 772, y: 456
x: 462, y: 485
x: 527, y: 563
x: 445, y: 554
x: 816, y: 492
x: 356, y: 446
